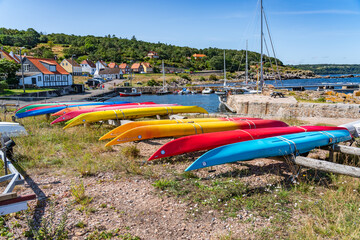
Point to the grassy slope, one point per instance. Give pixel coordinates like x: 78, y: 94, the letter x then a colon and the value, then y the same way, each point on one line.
x: 319, y: 206
x: 8, y: 92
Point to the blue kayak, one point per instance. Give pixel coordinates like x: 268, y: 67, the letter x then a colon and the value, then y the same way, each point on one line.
x: 56, y: 109
x: 269, y: 147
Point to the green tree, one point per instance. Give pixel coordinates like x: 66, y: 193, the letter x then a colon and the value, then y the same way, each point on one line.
x: 8, y: 71
x: 3, y: 86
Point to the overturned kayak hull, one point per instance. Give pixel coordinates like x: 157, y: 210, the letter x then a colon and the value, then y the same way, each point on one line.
x: 213, y: 140
x: 131, y: 114
x: 73, y: 114
x: 185, y: 129
x: 123, y: 128
x: 54, y: 109
x: 269, y: 147
x: 70, y: 109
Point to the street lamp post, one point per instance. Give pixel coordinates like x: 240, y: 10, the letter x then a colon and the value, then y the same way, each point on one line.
x: 22, y: 70
x: 72, y: 67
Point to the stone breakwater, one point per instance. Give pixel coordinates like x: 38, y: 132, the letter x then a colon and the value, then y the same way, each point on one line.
x: 265, y: 106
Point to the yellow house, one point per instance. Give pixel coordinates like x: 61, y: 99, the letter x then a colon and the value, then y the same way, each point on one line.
x: 147, y: 67
x: 72, y: 67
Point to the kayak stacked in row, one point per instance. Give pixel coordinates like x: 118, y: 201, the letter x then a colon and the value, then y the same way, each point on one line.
x: 76, y: 113
x: 228, y: 139
x: 49, y: 108
x: 136, y: 131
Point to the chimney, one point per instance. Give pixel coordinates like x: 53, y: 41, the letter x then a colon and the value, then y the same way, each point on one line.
x: 25, y: 54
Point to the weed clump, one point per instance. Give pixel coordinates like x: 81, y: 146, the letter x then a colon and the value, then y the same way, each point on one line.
x: 131, y: 152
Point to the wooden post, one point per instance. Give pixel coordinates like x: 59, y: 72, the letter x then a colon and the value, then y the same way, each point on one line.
x: 328, y: 166
x: 347, y: 149
x: 47, y: 116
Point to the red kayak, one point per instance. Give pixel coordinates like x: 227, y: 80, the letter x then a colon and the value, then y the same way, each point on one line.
x: 72, y: 114
x: 208, y: 141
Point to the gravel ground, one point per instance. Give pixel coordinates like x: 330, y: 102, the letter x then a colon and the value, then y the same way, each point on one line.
x: 131, y: 203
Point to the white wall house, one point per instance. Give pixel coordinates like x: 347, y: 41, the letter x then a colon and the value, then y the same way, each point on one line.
x: 101, y: 64
x: 43, y: 72
x: 88, y: 66
x: 111, y: 73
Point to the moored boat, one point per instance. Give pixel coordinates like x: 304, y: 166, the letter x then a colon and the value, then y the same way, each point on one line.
x: 207, y: 91
x: 12, y: 129
x: 133, y: 93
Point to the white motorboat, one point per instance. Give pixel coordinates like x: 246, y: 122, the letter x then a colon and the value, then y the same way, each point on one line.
x: 207, y: 91
x: 12, y: 129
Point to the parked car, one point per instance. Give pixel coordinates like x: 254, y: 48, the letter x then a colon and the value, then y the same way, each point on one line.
x: 93, y: 82
x: 100, y: 79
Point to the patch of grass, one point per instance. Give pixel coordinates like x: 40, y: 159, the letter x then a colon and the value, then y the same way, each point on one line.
x: 80, y: 224
x: 4, y: 230
x: 8, y: 92
x: 292, y: 121
x: 78, y: 192
x: 334, y: 214
x: 131, y: 151
x: 97, y: 235
x: 51, y: 227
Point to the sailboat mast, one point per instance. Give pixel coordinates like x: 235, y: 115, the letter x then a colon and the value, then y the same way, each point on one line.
x: 163, y: 69
x: 246, y: 63
x: 261, y: 36
x: 224, y: 70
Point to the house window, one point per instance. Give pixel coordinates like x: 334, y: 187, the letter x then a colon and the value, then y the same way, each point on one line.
x: 39, y: 78
x: 66, y: 64
x: 52, y: 78
x: 64, y: 78
x: 26, y: 67
x: 52, y: 68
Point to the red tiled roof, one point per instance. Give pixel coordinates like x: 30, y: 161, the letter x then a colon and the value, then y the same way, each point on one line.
x: 90, y: 63
x: 198, y: 55
x: 43, y: 69
x: 9, y: 57
x: 135, y: 65
x: 123, y: 65
x: 112, y: 65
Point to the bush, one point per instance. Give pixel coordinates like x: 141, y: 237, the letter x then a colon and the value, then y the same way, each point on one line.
x: 213, y: 77
x: 3, y: 86
x: 152, y: 82
x: 202, y: 78
x: 185, y: 76
x: 156, y: 70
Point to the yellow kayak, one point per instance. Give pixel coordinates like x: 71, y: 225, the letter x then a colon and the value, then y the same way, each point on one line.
x: 185, y: 129
x: 123, y: 128
x: 131, y: 114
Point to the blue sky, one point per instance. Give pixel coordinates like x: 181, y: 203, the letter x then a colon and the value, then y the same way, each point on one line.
x: 307, y: 31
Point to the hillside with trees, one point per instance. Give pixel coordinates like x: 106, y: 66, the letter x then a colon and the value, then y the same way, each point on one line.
x: 324, y: 69
x: 117, y: 49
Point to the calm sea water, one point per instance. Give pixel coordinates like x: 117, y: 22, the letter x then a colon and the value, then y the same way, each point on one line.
x: 210, y: 102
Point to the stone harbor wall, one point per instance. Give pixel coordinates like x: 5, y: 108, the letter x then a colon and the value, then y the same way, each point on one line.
x: 265, y: 106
